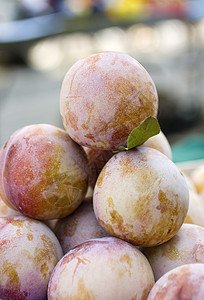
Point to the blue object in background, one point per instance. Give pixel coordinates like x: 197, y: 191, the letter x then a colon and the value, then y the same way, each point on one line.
x: 191, y: 148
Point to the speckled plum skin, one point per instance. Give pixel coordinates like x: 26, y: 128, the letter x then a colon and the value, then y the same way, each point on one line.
x: 182, y: 283
x: 186, y: 247
x: 78, y: 227
x: 141, y: 197
x: 105, y: 268
x: 29, y: 251
x: 104, y: 97
x: 43, y: 172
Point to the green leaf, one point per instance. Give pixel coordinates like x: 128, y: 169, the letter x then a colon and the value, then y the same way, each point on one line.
x: 147, y: 128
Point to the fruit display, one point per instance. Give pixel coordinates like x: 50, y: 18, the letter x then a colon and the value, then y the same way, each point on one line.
x: 57, y: 242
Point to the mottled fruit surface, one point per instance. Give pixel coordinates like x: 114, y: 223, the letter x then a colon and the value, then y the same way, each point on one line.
x: 182, y: 283
x: 104, y: 97
x: 106, y: 268
x: 141, y: 197
x: 78, y: 227
x: 186, y: 247
x: 29, y: 251
x: 43, y: 172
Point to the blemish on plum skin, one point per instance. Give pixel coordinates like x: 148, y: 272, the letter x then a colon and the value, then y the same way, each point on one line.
x: 127, y: 259
x: 18, y: 223
x: 30, y: 236
x: 44, y: 269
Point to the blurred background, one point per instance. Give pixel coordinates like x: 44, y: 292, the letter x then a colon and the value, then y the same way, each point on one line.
x: 41, y: 39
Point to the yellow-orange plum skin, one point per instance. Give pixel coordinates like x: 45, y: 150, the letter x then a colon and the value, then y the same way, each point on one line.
x: 43, y: 172
x: 104, y: 97
x: 182, y: 283
x: 105, y: 268
x: 29, y: 251
x: 141, y: 197
x: 186, y: 247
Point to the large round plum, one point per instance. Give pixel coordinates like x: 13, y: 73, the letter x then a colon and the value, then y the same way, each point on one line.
x: 43, y: 173
x: 141, y: 197
x: 105, y: 268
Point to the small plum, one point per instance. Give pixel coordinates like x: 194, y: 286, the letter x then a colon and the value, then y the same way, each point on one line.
x: 104, y: 97
x: 186, y: 247
x: 197, y: 177
x: 43, y: 173
x: 105, y: 268
x: 195, y: 210
x: 182, y: 283
x: 141, y: 197
x: 29, y: 251
x: 78, y: 227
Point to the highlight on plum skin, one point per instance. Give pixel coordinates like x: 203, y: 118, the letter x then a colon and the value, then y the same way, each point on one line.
x: 141, y: 197
x: 104, y: 97
x: 78, y: 227
x: 29, y: 252
x: 183, y: 282
x: 105, y: 268
x: 43, y: 172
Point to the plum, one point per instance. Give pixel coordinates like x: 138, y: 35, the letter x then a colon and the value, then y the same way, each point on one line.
x: 43, y: 172
x: 141, y: 197
x: 186, y: 247
x: 104, y: 97
x: 195, y: 210
x: 105, y: 268
x: 159, y: 142
x: 182, y: 283
x: 197, y: 177
x: 78, y: 227
x: 29, y: 251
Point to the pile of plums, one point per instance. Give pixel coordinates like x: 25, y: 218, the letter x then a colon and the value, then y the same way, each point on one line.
x: 84, y: 217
